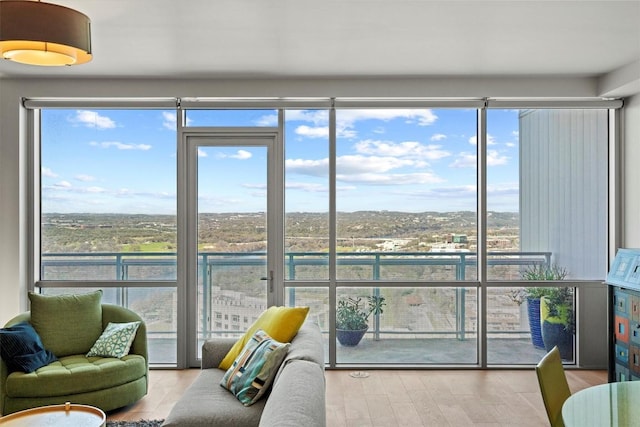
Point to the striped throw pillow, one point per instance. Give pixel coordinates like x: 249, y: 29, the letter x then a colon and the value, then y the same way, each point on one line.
x: 253, y: 371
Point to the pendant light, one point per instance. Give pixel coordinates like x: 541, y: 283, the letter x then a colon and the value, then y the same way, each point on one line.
x: 37, y: 33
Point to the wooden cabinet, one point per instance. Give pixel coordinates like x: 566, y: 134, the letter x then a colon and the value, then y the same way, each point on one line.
x: 624, y: 352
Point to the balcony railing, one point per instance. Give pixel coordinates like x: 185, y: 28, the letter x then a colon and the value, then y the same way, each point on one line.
x: 159, y: 268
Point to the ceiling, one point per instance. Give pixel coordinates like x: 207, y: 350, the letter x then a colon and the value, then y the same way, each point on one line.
x: 351, y: 38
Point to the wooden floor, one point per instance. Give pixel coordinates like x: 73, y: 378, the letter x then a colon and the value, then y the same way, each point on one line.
x: 400, y: 398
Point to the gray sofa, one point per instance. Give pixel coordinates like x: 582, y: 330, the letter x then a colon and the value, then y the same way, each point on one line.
x: 297, y: 397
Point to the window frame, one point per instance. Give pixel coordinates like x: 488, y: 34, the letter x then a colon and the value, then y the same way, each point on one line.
x: 584, y: 288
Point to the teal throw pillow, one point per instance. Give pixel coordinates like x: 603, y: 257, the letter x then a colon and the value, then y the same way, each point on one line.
x: 67, y: 324
x: 22, y: 350
x: 115, y: 341
x: 253, y: 371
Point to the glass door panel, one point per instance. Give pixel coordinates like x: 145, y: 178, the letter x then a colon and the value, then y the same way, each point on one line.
x: 232, y: 238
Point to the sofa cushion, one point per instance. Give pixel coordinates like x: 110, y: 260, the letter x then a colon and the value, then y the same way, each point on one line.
x: 251, y: 374
x: 76, y: 374
x: 297, y: 397
x: 281, y: 323
x: 22, y: 350
x: 67, y: 324
x: 115, y: 341
x: 206, y: 404
x: 304, y: 345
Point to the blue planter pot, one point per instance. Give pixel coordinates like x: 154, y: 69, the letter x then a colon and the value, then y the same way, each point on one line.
x: 350, y: 338
x: 555, y: 334
x: 533, y: 310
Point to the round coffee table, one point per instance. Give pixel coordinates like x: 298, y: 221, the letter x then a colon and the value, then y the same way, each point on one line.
x: 67, y: 415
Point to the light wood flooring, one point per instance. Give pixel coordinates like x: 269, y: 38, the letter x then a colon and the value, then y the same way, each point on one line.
x: 390, y: 398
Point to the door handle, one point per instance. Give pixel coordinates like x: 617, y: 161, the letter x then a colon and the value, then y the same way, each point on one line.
x: 269, y: 279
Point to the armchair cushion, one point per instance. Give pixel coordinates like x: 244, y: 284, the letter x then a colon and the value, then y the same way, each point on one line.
x: 76, y: 374
x: 67, y: 324
x: 22, y: 349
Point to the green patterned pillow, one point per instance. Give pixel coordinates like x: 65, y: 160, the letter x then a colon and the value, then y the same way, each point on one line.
x: 115, y: 341
x: 252, y: 373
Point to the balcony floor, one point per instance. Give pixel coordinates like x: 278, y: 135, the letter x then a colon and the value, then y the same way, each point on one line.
x: 439, y: 351
x: 401, y: 351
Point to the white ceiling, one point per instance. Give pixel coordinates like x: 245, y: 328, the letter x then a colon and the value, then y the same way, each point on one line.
x: 352, y: 38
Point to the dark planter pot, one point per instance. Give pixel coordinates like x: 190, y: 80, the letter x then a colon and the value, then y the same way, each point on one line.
x: 555, y: 334
x: 350, y: 338
x: 533, y: 310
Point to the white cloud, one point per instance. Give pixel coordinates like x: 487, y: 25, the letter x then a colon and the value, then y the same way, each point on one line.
x: 255, y: 186
x: 464, y: 160
x: 438, y: 137
x: 120, y: 145
x: 312, y: 132
x: 424, y: 117
x: 127, y: 193
x: 170, y: 120
x: 48, y: 173
x: 490, y: 140
x: 323, y: 132
x: 308, y: 167
x: 411, y: 149
x: 506, y: 189
x: 468, y: 160
x: 456, y: 192
x: 240, y: 155
x: 496, y: 159
x: 85, y: 178
x: 95, y: 190
x: 307, y: 187
x: 201, y: 152
x: 93, y: 119
x: 317, y: 117
x: 62, y: 185
x: 346, y: 119
x: 355, y: 164
x: 269, y: 120
x: 390, y: 179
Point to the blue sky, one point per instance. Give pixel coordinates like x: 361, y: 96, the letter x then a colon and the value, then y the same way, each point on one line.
x: 124, y: 161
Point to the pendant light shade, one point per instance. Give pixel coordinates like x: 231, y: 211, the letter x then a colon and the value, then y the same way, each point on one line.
x: 37, y: 33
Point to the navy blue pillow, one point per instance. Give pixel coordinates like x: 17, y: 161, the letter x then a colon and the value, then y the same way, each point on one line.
x: 22, y: 350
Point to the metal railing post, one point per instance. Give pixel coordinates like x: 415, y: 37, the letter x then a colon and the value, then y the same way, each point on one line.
x: 460, y: 298
x: 206, y: 296
x: 292, y: 276
x: 376, y: 293
x: 120, y: 275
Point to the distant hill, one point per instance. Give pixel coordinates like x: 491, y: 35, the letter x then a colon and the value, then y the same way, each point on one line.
x: 305, y: 231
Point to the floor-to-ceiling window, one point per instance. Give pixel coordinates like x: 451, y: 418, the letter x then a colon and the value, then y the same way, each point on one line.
x: 547, y: 195
x: 442, y: 211
x: 107, y: 212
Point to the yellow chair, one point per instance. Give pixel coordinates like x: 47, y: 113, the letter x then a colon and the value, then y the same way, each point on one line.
x: 553, y: 385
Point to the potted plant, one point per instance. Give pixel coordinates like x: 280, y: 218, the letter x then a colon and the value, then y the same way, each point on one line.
x: 533, y: 294
x: 352, y: 316
x: 558, y: 320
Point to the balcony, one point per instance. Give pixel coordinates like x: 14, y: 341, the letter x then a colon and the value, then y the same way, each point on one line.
x: 430, y: 318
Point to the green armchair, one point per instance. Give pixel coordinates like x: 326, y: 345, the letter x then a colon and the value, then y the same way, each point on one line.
x: 105, y: 382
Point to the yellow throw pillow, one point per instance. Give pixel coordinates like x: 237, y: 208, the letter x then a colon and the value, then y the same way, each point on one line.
x: 280, y: 323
